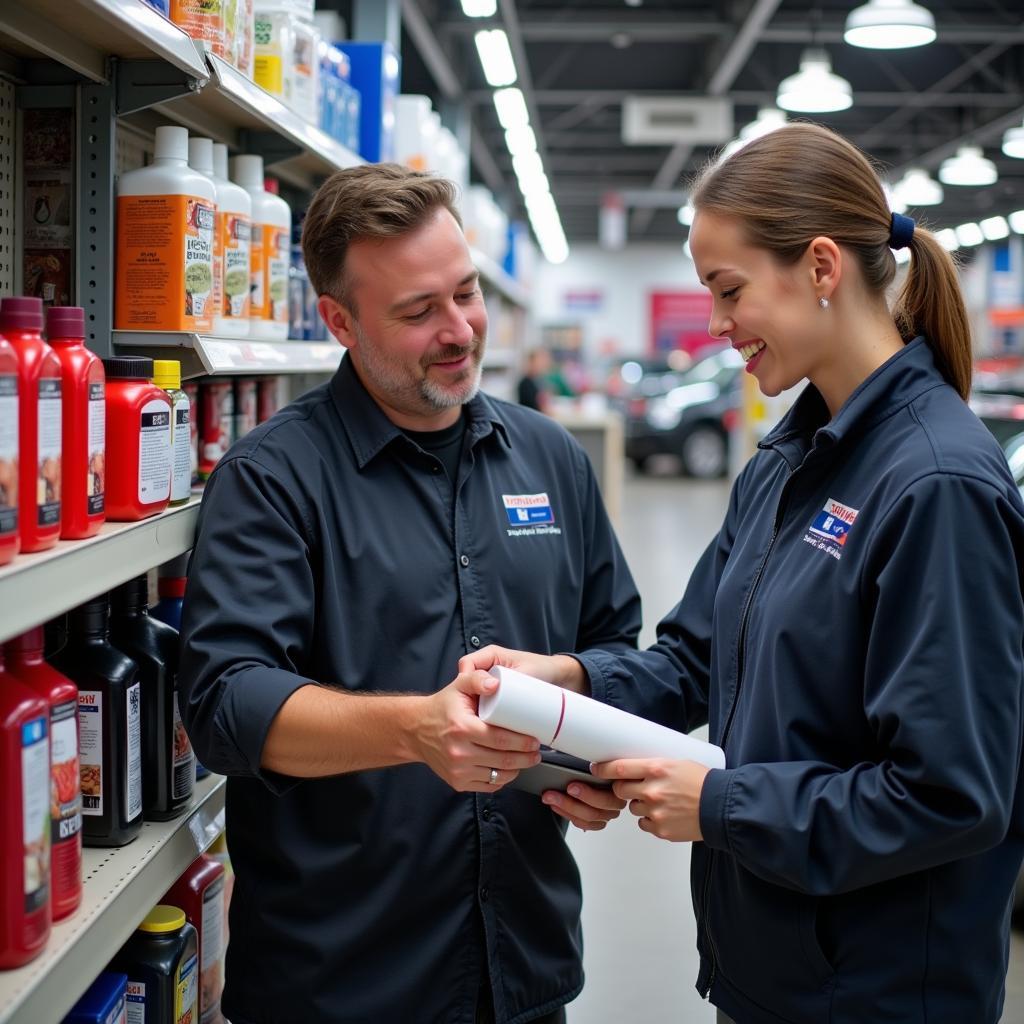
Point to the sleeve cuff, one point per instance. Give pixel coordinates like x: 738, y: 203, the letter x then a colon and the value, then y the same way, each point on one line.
x: 713, y: 800
x: 597, y: 665
x: 253, y: 698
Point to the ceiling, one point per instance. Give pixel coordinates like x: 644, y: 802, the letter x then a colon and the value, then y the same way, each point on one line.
x: 578, y: 59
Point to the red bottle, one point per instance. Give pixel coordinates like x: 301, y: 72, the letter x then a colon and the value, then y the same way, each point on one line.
x: 24, y: 822
x: 84, y: 423
x: 200, y: 893
x: 25, y: 661
x: 39, y: 431
x: 138, y: 440
x: 9, y: 539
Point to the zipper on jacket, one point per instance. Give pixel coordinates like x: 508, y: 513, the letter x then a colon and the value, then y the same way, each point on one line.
x: 740, y: 659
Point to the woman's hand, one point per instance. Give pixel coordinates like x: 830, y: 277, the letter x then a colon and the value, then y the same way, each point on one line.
x: 663, y: 794
x: 589, y: 808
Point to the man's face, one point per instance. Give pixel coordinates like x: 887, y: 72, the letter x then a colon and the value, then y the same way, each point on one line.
x: 418, y: 332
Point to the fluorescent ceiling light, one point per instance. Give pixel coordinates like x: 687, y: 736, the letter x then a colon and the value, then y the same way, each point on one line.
x: 918, y: 188
x: 528, y: 167
x: 889, y: 25
x: 496, y: 57
x: 521, y: 140
x: 814, y: 88
x: 1013, y: 142
x: 479, y: 8
x: 947, y: 239
x: 767, y: 120
x: 1017, y: 221
x: 995, y: 228
x: 969, y: 234
x: 968, y: 167
x: 510, y: 107
x: 685, y: 214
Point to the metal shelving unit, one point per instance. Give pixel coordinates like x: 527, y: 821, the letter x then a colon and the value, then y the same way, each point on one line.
x: 201, y: 356
x: 37, y: 587
x: 139, y: 873
x: 494, y: 275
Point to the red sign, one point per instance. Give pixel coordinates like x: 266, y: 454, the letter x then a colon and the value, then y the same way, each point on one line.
x: 679, y: 320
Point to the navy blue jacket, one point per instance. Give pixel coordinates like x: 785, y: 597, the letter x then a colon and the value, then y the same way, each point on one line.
x: 333, y: 549
x: 854, y: 637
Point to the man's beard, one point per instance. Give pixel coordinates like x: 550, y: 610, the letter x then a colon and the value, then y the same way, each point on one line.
x: 393, y: 380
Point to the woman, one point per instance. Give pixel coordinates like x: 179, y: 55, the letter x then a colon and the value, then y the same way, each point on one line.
x: 853, y: 635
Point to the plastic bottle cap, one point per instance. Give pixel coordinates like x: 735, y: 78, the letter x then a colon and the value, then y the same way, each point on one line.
x: 31, y: 642
x: 171, y: 143
x: 163, y: 918
x: 167, y: 372
x: 220, y: 160
x: 128, y: 368
x: 23, y: 313
x: 65, y: 322
x: 247, y: 171
x: 200, y: 155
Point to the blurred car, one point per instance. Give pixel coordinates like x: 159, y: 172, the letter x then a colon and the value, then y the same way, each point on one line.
x: 687, y: 414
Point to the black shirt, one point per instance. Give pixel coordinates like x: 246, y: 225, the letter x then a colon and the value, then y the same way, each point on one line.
x: 332, y: 548
x: 529, y: 392
x: 446, y: 444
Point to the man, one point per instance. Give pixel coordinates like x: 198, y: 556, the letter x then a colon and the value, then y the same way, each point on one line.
x: 532, y: 390
x: 350, y: 551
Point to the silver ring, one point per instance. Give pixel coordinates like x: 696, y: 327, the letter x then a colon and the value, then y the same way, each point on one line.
x: 493, y: 780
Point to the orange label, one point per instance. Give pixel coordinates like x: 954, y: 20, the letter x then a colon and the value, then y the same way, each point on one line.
x: 203, y: 20
x: 164, y: 278
x: 258, y: 306
x: 277, y: 245
x: 234, y: 232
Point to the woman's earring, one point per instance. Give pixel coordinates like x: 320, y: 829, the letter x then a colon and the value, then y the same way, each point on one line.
x: 823, y: 302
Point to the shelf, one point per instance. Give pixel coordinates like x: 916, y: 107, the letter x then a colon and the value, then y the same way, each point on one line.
x: 230, y: 105
x: 120, y: 887
x: 494, y: 275
x: 81, y: 34
x: 202, y: 356
x: 37, y: 587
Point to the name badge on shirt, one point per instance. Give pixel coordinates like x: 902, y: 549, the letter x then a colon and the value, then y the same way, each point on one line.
x: 528, y: 509
x: 831, y: 527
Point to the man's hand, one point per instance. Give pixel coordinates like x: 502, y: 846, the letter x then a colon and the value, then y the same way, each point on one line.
x: 459, y: 747
x: 663, y: 794
x: 587, y: 807
x: 559, y: 669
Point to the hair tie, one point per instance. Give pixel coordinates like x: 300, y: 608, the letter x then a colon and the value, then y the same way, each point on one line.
x: 901, y: 231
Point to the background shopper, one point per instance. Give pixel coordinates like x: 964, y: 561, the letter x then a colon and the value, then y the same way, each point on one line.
x: 853, y: 635
x: 349, y: 552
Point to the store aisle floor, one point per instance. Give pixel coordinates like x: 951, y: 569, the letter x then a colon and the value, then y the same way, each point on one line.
x: 638, y: 926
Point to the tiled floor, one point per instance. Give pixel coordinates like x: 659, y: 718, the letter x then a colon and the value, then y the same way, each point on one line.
x: 637, y: 919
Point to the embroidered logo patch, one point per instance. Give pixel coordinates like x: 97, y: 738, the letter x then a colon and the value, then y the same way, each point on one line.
x: 528, y: 509
x: 831, y: 527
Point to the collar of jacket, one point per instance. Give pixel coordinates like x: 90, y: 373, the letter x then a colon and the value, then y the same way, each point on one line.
x: 370, y: 431
x: 895, y: 384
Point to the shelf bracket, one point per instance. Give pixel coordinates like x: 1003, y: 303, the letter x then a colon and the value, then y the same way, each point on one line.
x: 272, y: 147
x: 141, y: 84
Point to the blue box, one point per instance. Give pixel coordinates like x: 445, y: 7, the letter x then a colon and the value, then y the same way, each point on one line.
x: 103, y: 1003
x: 375, y: 76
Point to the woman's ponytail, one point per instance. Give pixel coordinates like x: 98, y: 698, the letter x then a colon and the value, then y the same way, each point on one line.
x: 930, y: 303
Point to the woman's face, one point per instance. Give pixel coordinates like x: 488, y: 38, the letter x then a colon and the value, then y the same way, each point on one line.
x: 768, y: 312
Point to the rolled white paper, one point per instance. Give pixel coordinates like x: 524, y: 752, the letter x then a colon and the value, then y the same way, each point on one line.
x: 585, y: 727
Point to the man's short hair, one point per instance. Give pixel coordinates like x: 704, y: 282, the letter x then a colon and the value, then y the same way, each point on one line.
x: 371, y: 201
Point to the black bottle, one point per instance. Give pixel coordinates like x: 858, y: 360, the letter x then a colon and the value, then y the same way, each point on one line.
x: 169, y: 768
x: 109, y: 726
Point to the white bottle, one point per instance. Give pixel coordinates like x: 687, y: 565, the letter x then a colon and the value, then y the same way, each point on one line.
x: 234, y: 229
x: 165, y: 226
x: 200, y: 160
x: 270, y: 252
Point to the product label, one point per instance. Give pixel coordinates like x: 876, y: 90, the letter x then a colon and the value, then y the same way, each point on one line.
x: 235, y: 232
x: 164, y: 266
x: 181, y: 444
x: 269, y: 71
x: 65, y: 794
x: 203, y: 20
x: 90, y: 750
x: 48, y: 479
x: 257, y: 274
x: 183, y: 766
x: 133, y: 776
x: 35, y: 791
x: 118, y: 1014
x: 136, y: 1002
x: 211, y: 946
x: 8, y: 453
x: 96, y: 471
x: 154, y: 452
x: 277, y: 244
x: 186, y: 992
